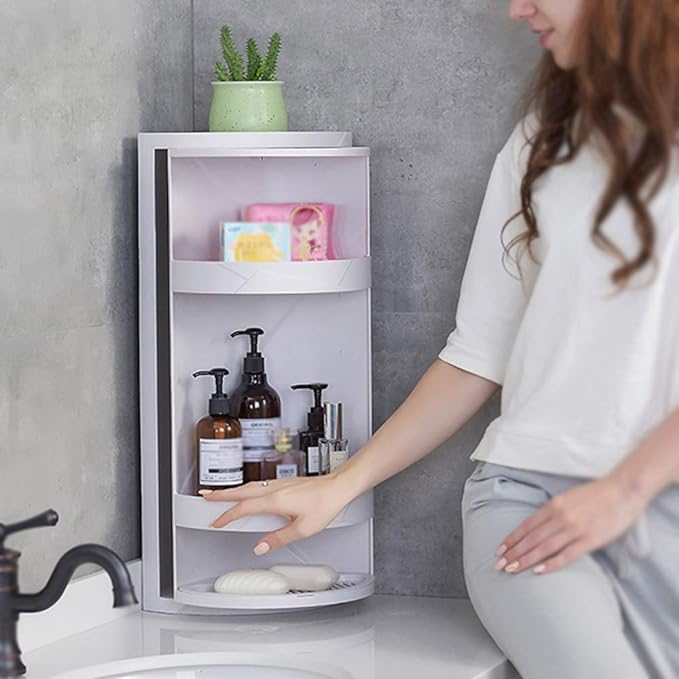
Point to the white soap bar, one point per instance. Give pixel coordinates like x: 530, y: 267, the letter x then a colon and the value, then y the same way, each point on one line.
x: 253, y: 581
x: 307, y: 578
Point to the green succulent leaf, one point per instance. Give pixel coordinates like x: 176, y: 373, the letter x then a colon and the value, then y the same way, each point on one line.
x: 254, y: 59
x: 233, y: 58
x: 221, y: 72
x: 267, y: 70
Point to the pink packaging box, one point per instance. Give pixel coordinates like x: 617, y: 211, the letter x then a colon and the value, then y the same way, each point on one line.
x: 311, y: 226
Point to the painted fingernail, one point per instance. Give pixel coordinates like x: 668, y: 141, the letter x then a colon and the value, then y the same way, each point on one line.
x: 261, y: 548
x: 501, y: 550
x: 512, y: 567
x: 540, y: 569
x: 500, y: 564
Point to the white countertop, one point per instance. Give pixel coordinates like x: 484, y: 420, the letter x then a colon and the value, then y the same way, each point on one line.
x: 383, y: 637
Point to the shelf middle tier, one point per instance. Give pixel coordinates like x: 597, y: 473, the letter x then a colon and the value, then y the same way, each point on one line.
x: 291, y: 278
x: 192, y: 511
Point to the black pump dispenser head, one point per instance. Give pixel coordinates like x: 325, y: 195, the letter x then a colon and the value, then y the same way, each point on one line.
x: 315, y: 416
x: 219, y: 401
x: 253, y: 363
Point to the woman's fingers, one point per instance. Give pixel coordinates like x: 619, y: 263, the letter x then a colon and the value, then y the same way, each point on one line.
x: 307, y: 504
x: 571, y: 553
x: 516, y: 536
x: 547, y: 547
x: 248, y: 491
x: 260, y: 505
x: 281, y: 537
x: 528, y: 542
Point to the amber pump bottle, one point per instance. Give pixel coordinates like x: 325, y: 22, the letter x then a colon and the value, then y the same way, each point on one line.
x: 308, y: 439
x: 258, y: 407
x: 219, y: 440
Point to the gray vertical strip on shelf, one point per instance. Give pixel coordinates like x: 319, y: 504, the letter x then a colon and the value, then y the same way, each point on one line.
x: 164, y: 424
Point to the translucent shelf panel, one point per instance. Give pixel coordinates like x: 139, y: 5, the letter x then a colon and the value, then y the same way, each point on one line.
x: 351, y: 587
x: 340, y: 275
x: 191, y: 511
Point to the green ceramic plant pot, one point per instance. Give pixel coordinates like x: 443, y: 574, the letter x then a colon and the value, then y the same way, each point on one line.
x: 248, y: 106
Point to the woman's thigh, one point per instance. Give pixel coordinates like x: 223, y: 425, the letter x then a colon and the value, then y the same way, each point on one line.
x: 643, y: 568
x: 563, y: 625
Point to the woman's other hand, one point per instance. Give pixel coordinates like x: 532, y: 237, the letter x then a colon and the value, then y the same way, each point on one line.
x: 569, y: 526
x: 309, y: 503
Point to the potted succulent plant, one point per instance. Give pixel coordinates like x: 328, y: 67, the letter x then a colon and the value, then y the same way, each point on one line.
x: 247, y: 99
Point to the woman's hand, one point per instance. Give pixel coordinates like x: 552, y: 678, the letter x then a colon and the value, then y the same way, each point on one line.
x: 309, y: 503
x: 571, y: 525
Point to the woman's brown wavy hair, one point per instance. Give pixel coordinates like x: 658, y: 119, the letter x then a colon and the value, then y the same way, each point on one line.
x: 627, y: 53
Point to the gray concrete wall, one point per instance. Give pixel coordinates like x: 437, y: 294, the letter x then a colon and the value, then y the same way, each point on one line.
x: 80, y: 80
x: 430, y: 86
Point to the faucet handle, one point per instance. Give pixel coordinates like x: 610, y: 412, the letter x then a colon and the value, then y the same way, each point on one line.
x: 48, y: 518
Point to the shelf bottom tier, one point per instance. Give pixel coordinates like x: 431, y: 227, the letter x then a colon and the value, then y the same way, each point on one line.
x: 350, y: 587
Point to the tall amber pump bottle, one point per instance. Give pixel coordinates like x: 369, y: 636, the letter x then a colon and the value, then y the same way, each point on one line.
x: 258, y: 407
x: 219, y: 440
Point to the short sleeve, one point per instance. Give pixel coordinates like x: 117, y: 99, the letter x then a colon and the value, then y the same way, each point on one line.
x: 492, y: 298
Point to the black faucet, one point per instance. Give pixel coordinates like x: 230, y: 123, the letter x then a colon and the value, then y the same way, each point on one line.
x: 12, y: 603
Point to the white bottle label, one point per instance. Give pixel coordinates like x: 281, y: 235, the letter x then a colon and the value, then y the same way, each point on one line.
x: 259, y: 433
x: 286, y: 471
x: 221, y: 462
x: 313, y: 460
x: 337, y: 457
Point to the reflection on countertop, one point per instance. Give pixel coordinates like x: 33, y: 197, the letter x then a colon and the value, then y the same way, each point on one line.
x: 384, y: 637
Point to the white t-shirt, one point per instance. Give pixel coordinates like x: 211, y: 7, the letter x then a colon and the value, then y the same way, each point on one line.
x: 584, y: 376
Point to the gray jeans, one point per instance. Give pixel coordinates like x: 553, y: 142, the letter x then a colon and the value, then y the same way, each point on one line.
x: 611, y: 615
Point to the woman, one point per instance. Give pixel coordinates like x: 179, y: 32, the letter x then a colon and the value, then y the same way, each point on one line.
x: 568, y: 301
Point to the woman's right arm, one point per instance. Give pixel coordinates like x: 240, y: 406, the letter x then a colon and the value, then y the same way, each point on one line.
x: 443, y: 400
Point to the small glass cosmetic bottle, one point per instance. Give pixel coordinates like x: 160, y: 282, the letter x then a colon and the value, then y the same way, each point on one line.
x: 333, y: 448
x: 308, y: 439
x: 287, y: 461
x: 253, y: 459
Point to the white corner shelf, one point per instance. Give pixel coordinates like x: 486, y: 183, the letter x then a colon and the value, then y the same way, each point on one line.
x: 192, y: 511
x: 350, y: 587
x: 291, y: 278
x: 317, y: 316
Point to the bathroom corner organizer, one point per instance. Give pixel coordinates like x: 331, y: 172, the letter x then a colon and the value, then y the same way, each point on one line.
x: 316, y: 317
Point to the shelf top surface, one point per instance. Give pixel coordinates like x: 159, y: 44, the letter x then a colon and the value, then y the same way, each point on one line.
x: 297, y: 139
x: 255, y: 151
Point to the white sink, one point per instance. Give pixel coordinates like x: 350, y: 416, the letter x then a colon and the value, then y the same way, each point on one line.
x: 208, y: 666
x: 220, y: 672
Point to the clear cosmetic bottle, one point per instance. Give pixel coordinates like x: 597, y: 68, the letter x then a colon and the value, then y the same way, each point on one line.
x: 287, y: 460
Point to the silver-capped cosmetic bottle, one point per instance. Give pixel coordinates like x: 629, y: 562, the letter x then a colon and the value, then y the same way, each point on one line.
x: 333, y: 448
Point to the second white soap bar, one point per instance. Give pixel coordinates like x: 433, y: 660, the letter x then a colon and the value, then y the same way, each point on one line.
x: 307, y: 578
x: 251, y: 581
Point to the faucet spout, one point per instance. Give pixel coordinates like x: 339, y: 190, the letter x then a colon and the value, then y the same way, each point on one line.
x: 12, y: 603
x: 123, y: 589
